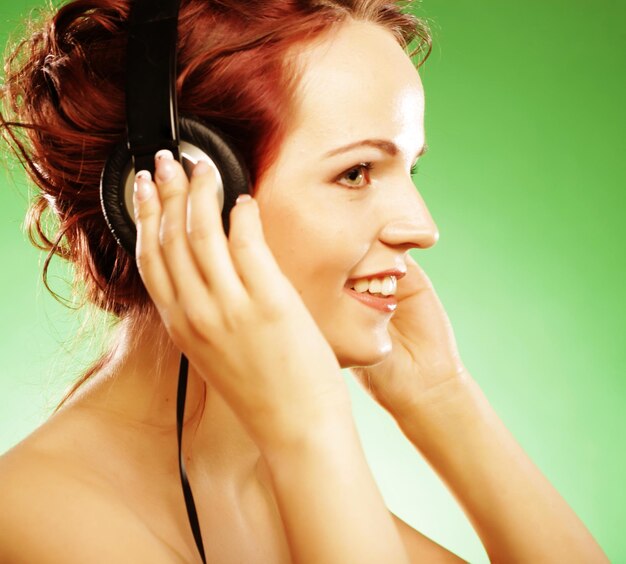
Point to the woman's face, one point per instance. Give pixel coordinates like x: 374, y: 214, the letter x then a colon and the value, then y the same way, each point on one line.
x: 328, y: 219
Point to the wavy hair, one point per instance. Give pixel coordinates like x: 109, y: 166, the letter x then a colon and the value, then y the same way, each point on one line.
x: 63, y: 109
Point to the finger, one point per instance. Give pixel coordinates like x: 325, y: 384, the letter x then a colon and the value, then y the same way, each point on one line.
x: 253, y: 259
x: 190, y: 287
x: 207, y: 238
x: 415, y: 281
x: 150, y: 262
x: 430, y: 319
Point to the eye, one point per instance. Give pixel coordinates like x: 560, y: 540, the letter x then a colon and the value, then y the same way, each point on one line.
x: 414, y: 169
x: 356, y: 177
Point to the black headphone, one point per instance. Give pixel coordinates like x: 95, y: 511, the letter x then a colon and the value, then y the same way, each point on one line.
x: 153, y: 124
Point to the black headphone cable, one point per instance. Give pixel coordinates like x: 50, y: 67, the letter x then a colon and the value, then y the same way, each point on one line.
x: 180, y: 412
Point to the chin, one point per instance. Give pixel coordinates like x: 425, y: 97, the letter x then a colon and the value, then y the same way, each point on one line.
x: 364, y: 352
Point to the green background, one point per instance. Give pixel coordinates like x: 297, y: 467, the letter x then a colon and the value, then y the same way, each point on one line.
x: 525, y: 178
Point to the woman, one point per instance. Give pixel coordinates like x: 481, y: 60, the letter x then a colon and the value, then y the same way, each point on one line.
x: 315, y: 275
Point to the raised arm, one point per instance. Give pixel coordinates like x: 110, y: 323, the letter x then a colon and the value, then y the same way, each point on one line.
x: 518, y: 514
x: 244, y: 327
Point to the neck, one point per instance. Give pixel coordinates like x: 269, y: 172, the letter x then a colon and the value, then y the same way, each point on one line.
x: 139, y: 387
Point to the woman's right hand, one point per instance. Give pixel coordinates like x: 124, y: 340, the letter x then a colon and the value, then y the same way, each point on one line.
x: 228, y: 307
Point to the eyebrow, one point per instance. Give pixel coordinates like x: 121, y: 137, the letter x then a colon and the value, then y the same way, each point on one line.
x: 388, y: 147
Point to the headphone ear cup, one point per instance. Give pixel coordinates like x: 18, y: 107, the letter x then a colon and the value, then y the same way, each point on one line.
x: 214, y: 147
x: 118, y: 211
x: 198, y: 142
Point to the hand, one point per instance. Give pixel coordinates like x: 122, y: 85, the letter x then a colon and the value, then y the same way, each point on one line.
x: 424, y: 354
x: 226, y: 304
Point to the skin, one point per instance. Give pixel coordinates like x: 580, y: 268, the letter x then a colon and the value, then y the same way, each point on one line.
x: 275, y: 440
x: 325, y: 223
x: 321, y: 231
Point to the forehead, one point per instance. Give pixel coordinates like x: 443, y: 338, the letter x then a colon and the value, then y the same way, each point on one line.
x: 357, y: 82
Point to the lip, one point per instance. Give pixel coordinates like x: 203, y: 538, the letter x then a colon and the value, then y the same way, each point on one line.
x: 386, y: 304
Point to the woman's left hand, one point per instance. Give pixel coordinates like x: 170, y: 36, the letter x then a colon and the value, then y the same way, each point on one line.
x: 424, y: 353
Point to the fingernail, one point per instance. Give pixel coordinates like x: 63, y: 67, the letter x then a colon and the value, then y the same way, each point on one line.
x: 202, y: 167
x: 165, y: 169
x: 143, y: 186
x: 164, y: 154
x: 242, y: 198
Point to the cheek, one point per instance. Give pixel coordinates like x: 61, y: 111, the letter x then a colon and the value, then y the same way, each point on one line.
x: 318, y: 252
x: 307, y: 243
x: 288, y: 236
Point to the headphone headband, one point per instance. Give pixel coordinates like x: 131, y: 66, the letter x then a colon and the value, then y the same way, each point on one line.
x: 152, y: 113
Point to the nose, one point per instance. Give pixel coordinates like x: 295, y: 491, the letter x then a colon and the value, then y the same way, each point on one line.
x: 410, y: 224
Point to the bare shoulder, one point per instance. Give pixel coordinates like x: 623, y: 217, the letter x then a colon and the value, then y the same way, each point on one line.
x: 51, y: 513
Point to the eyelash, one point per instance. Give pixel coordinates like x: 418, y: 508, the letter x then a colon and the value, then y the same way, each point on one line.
x: 367, y: 167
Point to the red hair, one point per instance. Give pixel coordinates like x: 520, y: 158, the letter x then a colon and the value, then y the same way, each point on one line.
x: 64, y: 108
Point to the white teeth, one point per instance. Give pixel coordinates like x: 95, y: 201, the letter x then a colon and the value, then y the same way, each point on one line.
x: 385, y: 286
x: 376, y: 286
x: 362, y: 285
x: 388, y: 286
